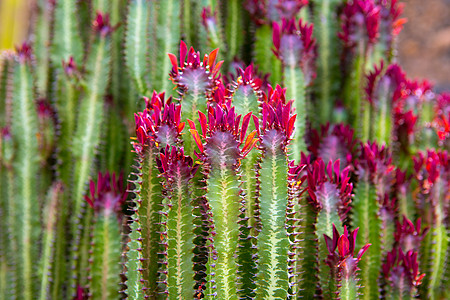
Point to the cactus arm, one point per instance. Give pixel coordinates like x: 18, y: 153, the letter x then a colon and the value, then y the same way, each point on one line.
x: 136, y: 45
x: 348, y: 289
x: 66, y: 40
x: 106, y: 254
x: 24, y: 124
x: 383, y: 116
x: 51, y: 211
x: 134, y: 258
x: 326, y: 28
x: 273, y: 242
x: 439, y: 241
x: 41, y: 45
x: 329, y: 198
x: 234, y: 29
x: 188, y: 10
x: 167, y: 39
x: 365, y: 215
x: 178, y: 227
x: 264, y: 58
x: 306, y: 264
x: 353, y: 91
x: 223, y: 194
x: 296, y: 89
x: 87, y: 134
x: 151, y: 199
x: 101, y: 5
x: 246, y: 99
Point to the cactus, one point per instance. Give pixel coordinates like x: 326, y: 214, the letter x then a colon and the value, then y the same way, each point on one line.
x: 241, y: 188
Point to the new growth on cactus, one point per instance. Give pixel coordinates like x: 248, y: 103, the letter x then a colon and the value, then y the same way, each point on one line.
x: 263, y: 170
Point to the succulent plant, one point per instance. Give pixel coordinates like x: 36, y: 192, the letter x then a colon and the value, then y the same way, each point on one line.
x: 273, y: 141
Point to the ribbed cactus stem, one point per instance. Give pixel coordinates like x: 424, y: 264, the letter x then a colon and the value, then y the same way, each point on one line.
x: 106, y: 256
x: 439, y: 240
x: 273, y: 242
x: 53, y: 206
x: 296, y: 89
x: 327, y: 216
x: 167, y: 40
x: 234, y: 29
x: 326, y: 27
x: 134, y: 258
x: 136, y: 43
x: 348, y: 289
x: 148, y: 218
x: 223, y: 193
x: 41, y: 44
x: 177, y: 224
x: 365, y: 215
x: 66, y: 40
x: 264, y: 58
x: 87, y: 135
x: 24, y: 131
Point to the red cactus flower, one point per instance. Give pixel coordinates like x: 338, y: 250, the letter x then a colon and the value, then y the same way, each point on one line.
x: 401, y: 268
x: 342, y: 262
x: 268, y: 11
x: 159, y: 123
x: 392, y: 79
x: 329, y: 179
x: 376, y: 162
x: 24, y: 52
x: 390, y: 22
x: 409, y: 236
x: 430, y: 167
x: 70, y: 67
x: 276, y: 115
x: 195, y: 73
x: 414, y: 95
x: 295, y: 46
x: 173, y: 162
x: 333, y: 143
x: 108, y: 195
x: 360, y: 22
x: 102, y: 24
x: 224, y: 119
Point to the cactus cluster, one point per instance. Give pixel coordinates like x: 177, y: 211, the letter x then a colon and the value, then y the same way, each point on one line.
x: 298, y: 161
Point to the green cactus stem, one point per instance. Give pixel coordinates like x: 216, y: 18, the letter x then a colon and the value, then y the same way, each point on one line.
x: 273, y: 242
x: 66, y: 39
x: 401, y: 271
x: 195, y: 79
x: 330, y: 191
x: 265, y: 59
x: 24, y: 132
x: 106, y: 197
x: 343, y: 264
x: 177, y: 224
x: 325, y: 31
x: 234, y: 29
x: 432, y: 173
x: 374, y: 176
x: 136, y: 44
x: 167, y: 39
x: 87, y: 135
x: 51, y: 217
x: 221, y: 157
x: 295, y: 47
x: 157, y: 126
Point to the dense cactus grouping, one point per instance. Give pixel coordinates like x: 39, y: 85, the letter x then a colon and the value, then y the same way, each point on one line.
x: 287, y: 157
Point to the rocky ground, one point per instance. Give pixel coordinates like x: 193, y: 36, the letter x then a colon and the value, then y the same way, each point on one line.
x: 424, y: 43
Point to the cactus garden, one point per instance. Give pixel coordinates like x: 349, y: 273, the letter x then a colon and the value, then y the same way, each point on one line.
x: 210, y: 149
